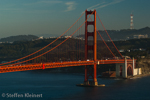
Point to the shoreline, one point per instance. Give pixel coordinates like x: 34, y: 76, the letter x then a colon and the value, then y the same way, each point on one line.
x: 128, y: 77
x: 138, y: 76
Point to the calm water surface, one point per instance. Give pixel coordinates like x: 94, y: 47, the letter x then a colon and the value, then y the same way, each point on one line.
x: 62, y: 86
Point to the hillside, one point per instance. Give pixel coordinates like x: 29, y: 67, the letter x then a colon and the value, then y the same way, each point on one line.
x: 22, y: 48
x: 18, y: 38
x: 124, y: 34
x: 127, y: 33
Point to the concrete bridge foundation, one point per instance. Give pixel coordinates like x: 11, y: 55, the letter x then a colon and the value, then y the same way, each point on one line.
x: 125, y: 69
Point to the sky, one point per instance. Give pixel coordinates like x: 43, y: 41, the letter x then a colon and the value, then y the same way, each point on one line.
x: 37, y: 17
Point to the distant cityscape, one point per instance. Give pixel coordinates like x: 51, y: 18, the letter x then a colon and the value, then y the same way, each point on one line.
x: 140, y: 36
x: 42, y: 37
x: 115, y: 35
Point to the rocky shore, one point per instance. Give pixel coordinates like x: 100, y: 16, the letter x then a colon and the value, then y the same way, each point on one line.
x: 144, y: 64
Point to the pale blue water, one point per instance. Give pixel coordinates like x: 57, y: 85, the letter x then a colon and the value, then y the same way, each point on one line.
x: 61, y: 86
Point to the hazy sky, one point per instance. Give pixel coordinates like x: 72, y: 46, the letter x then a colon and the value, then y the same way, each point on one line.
x: 22, y: 17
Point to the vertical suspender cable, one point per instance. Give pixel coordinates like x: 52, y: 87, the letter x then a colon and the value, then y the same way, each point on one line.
x: 109, y: 36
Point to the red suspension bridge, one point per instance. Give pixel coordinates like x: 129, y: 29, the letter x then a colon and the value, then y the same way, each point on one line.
x: 76, y: 53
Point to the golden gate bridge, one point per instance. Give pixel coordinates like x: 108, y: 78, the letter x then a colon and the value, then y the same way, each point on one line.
x: 45, y: 57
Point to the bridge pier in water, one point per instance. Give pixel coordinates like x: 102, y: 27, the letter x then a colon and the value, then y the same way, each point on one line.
x: 91, y: 75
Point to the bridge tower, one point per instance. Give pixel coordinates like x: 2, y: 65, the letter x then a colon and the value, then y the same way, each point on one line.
x: 91, y: 70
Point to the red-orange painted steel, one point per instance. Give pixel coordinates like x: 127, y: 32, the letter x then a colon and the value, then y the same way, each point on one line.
x: 35, y: 66
x: 86, y: 42
x: 95, y: 37
x: 43, y: 66
x: 86, y: 54
x: 90, y: 47
x: 95, y: 48
x: 91, y: 63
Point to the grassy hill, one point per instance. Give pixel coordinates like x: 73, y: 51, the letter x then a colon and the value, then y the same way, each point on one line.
x: 18, y: 38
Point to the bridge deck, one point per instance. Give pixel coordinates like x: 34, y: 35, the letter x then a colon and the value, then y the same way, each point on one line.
x: 24, y: 67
